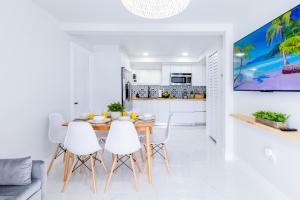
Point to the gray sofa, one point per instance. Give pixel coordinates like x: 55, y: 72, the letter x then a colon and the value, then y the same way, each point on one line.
x: 34, y: 191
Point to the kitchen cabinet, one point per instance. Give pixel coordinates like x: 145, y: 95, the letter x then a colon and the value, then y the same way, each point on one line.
x: 199, y: 75
x: 148, y: 77
x: 159, y: 108
x: 162, y: 76
x: 165, y: 77
x: 184, y: 110
x: 162, y: 109
x: 200, y: 112
x: 181, y: 69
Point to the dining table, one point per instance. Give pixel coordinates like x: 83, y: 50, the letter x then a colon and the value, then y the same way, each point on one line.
x: 140, y: 125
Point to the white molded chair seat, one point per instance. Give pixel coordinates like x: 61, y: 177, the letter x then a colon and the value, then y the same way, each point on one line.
x: 81, y: 139
x: 56, y: 134
x: 159, y: 138
x: 102, y: 136
x: 159, y: 135
x: 122, y: 138
x: 82, y: 142
x: 122, y: 142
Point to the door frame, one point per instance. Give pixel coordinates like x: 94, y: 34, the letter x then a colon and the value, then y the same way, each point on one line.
x: 74, y: 45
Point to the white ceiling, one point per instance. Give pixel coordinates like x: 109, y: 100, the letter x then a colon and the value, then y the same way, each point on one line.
x: 246, y: 15
x: 156, y: 45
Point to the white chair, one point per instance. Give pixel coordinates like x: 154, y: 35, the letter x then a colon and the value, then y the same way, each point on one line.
x: 159, y: 140
x: 81, y: 141
x: 102, y: 136
x: 56, y: 134
x: 122, y: 142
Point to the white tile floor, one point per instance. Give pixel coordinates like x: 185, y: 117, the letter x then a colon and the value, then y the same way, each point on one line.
x: 199, y: 172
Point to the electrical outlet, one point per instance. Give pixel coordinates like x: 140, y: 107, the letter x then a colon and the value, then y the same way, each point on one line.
x: 269, y: 154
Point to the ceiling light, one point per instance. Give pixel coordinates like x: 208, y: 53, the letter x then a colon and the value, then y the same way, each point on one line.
x: 185, y: 54
x: 146, y: 54
x: 155, y: 9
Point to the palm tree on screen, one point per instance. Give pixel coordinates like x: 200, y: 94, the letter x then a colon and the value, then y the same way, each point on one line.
x: 291, y: 46
x: 242, y: 53
x: 279, y: 28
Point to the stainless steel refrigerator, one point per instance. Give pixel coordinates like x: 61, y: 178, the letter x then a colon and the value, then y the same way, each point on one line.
x: 127, y: 89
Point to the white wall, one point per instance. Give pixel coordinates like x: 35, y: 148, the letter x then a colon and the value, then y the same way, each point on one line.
x: 267, y: 12
x: 106, y: 76
x: 34, y: 77
x: 250, y: 142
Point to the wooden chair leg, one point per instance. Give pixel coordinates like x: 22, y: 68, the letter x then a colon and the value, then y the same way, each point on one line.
x: 102, y: 161
x: 111, y: 173
x: 52, y: 159
x: 69, y: 175
x: 66, y: 170
x: 65, y: 156
x: 152, y: 151
x: 166, y: 159
x: 93, y: 173
x: 134, y: 173
x: 73, y: 157
x: 137, y: 163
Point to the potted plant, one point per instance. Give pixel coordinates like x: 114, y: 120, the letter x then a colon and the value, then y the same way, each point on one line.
x: 165, y: 94
x: 273, y: 119
x: 115, y: 110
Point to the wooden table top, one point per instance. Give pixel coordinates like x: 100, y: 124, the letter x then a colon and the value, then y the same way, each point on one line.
x: 139, y: 125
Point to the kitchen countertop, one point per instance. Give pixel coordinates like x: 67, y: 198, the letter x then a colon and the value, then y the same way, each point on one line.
x: 145, y: 99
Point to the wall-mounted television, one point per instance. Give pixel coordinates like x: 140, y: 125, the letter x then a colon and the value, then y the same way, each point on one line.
x: 269, y: 58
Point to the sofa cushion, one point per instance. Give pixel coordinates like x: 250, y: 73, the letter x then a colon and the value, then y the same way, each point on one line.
x: 15, y: 171
x: 20, y: 192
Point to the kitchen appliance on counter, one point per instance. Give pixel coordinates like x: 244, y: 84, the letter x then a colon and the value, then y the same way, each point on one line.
x: 181, y: 79
x: 126, y: 89
x: 199, y: 96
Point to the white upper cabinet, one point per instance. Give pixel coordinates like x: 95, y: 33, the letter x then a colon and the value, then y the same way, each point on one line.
x: 181, y: 69
x: 148, y: 77
x: 162, y: 76
x: 166, y: 71
x: 199, y: 75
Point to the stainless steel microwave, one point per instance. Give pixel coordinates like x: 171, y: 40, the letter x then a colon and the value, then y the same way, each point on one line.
x: 181, y: 79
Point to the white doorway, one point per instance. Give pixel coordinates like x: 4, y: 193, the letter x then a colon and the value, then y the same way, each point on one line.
x: 80, y: 80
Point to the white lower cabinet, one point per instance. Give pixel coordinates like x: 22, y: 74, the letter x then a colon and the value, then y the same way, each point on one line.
x: 161, y: 108
x: 184, y: 110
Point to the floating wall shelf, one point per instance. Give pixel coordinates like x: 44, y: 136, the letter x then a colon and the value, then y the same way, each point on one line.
x: 250, y: 120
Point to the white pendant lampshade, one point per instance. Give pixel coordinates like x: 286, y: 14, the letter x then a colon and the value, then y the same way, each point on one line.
x: 155, y: 9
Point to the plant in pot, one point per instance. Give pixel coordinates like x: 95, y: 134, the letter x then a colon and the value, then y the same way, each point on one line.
x: 165, y: 94
x: 115, y: 110
x: 273, y: 119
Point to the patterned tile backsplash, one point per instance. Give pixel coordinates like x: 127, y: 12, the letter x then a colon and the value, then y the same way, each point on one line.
x: 174, y: 91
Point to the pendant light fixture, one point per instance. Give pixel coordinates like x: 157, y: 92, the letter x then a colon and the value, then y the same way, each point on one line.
x: 155, y: 9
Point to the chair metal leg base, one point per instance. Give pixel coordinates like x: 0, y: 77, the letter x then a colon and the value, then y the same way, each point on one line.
x: 118, y: 161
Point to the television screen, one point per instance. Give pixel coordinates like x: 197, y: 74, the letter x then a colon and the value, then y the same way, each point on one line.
x: 269, y: 58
